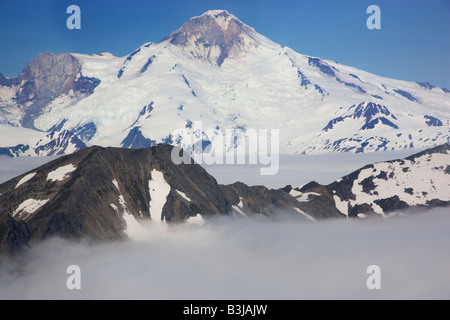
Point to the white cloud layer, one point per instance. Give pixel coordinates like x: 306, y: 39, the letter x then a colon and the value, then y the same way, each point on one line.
x: 247, y: 259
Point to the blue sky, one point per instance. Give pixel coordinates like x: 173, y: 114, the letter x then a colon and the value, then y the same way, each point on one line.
x: 413, y: 43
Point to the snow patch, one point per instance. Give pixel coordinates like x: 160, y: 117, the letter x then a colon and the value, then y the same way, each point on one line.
x: 123, y: 203
x: 116, y: 184
x: 25, y: 179
x: 159, y: 189
x: 61, y: 173
x: 304, y: 197
x: 295, y: 193
x: 342, y: 206
x: 133, y: 228
x: 183, y: 195
x: 28, y: 207
x: 240, y: 204
x: 307, y: 216
x: 238, y: 210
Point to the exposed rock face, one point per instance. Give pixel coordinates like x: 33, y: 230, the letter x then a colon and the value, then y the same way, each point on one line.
x: 45, y: 78
x: 315, y: 198
x: 213, y: 36
x: 248, y: 201
x: 135, y: 140
x: 14, y: 235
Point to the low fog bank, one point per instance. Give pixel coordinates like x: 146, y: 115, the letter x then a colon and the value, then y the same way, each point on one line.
x: 298, y: 170
x: 247, y: 259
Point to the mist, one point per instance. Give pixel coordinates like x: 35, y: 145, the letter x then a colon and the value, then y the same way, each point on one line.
x: 298, y: 170
x: 259, y: 258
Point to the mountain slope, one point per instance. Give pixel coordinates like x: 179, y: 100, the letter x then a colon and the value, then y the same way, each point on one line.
x: 419, y: 181
x: 217, y: 70
x: 103, y: 194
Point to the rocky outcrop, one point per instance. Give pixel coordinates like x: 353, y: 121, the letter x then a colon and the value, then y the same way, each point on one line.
x: 213, y: 36
x: 247, y: 201
x: 14, y: 235
x: 45, y: 78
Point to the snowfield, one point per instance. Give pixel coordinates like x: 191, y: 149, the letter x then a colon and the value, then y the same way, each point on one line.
x: 61, y: 173
x: 319, y: 105
x: 27, y: 208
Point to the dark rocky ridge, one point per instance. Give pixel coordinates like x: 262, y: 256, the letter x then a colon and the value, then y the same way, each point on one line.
x: 87, y: 202
x: 261, y: 200
x: 107, y: 184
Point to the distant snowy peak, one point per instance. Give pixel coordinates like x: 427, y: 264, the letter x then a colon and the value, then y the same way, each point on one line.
x: 218, y: 71
x: 214, y: 36
x: 368, y: 114
x: 51, y: 143
x: 45, y: 78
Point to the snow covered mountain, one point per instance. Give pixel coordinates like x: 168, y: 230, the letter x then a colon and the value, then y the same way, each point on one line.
x: 217, y: 70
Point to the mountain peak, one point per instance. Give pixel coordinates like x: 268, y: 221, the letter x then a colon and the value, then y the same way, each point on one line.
x: 214, y: 36
x: 221, y: 17
x: 104, y: 194
x: 217, y: 13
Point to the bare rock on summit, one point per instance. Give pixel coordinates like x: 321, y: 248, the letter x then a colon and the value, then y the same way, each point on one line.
x: 45, y: 78
x: 214, y: 36
x: 93, y: 192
